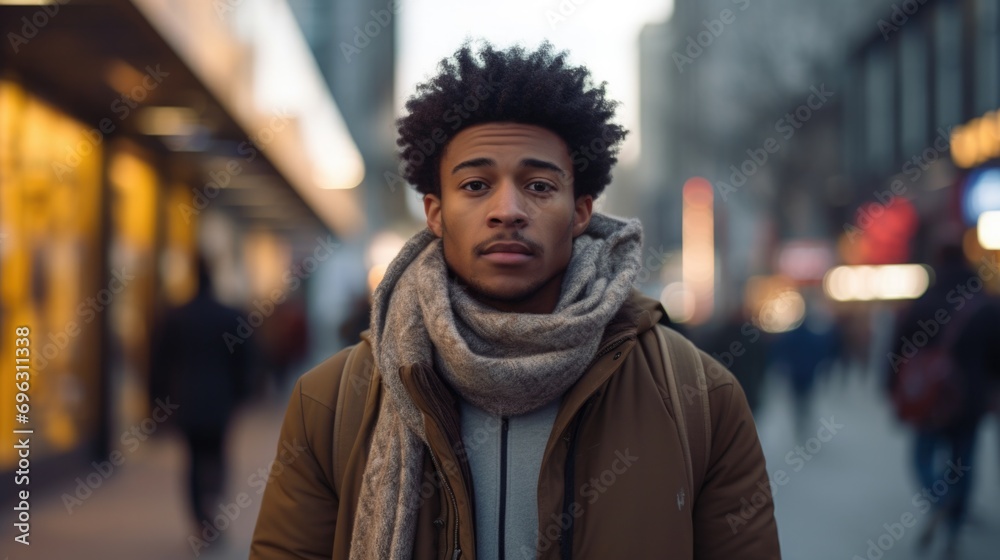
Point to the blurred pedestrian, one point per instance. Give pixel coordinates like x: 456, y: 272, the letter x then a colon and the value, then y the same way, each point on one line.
x: 357, y: 321
x: 740, y: 346
x: 806, y: 351
x: 284, y: 339
x: 855, y: 328
x: 945, y: 346
x: 205, y: 373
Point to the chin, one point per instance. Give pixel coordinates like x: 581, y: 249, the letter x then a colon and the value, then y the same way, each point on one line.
x: 506, y: 293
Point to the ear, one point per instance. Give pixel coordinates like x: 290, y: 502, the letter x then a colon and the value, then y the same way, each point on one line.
x: 432, y: 208
x: 581, y: 214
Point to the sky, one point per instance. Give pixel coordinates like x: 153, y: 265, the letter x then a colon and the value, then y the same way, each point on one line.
x: 600, y: 34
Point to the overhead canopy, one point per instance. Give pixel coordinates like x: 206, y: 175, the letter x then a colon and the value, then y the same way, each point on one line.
x: 223, y: 79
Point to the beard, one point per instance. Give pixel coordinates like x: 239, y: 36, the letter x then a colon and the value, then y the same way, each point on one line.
x: 488, y: 294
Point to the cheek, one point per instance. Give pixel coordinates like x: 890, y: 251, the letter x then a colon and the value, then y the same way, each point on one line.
x: 562, y: 233
x: 565, y: 254
x: 456, y: 249
x: 456, y: 219
x: 559, y: 247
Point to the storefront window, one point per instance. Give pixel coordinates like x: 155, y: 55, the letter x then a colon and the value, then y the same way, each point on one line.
x: 50, y: 208
x: 132, y: 253
x: 177, y: 262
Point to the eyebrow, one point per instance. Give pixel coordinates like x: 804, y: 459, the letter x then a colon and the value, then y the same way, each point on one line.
x: 526, y: 162
x: 542, y: 164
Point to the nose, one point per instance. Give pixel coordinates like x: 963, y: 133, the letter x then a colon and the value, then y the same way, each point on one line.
x: 507, y: 206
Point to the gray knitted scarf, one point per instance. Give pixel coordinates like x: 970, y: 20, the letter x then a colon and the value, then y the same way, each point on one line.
x: 504, y: 363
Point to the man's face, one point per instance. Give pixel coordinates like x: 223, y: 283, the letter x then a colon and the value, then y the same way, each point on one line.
x: 508, y: 183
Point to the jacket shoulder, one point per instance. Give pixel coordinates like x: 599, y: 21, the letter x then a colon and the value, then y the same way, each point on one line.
x: 323, y: 382
x: 299, y: 509
x: 727, y: 403
x: 716, y: 375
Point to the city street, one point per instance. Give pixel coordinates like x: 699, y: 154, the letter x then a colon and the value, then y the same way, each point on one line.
x: 860, y: 480
x: 140, y: 512
x: 199, y: 200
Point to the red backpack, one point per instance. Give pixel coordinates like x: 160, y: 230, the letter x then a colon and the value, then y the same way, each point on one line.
x: 929, y: 392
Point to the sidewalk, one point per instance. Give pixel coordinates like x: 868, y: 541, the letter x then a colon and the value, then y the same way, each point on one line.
x: 841, y: 493
x: 140, y: 512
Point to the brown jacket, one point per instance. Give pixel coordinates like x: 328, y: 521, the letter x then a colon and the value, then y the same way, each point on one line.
x: 627, y: 477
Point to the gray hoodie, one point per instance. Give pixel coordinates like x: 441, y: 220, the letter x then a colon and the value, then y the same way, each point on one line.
x: 505, y: 455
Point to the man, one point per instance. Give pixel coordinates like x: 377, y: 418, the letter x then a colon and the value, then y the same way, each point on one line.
x: 517, y: 405
x: 193, y: 367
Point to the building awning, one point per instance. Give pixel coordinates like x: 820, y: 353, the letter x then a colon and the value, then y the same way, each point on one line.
x: 212, y: 81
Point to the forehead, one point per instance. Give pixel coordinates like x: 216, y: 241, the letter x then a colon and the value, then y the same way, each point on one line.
x: 505, y: 139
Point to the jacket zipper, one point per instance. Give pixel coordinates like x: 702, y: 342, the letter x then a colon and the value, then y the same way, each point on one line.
x: 454, y: 503
x: 503, y: 486
x: 447, y: 485
x: 610, y: 347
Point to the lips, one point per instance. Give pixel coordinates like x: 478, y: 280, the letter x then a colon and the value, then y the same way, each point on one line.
x: 507, y: 247
x: 508, y: 253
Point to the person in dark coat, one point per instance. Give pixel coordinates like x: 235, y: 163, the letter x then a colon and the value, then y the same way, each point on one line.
x: 205, y: 375
x: 966, y: 318
x: 807, y: 351
x: 740, y: 345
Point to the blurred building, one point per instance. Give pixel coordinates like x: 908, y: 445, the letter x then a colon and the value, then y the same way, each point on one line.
x: 354, y: 44
x: 768, y: 102
x: 132, y: 135
x: 922, y: 92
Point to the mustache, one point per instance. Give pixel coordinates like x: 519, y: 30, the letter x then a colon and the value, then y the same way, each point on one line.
x: 535, y: 248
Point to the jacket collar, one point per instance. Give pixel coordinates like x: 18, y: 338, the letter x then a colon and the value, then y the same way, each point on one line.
x: 638, y: 314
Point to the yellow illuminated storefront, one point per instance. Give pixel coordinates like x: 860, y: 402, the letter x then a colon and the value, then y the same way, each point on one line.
x: 50, y: 268
x: 94, y: 245
x: 132, y: 265
x: 78, y: 286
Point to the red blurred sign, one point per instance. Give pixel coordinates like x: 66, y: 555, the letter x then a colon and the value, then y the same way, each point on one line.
x: 881, y: 233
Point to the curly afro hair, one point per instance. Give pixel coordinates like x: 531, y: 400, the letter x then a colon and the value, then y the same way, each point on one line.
x: 536, y: 88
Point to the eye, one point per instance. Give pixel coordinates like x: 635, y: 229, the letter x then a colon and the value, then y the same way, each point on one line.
x: 470, y: 183
x: 545, y: 187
